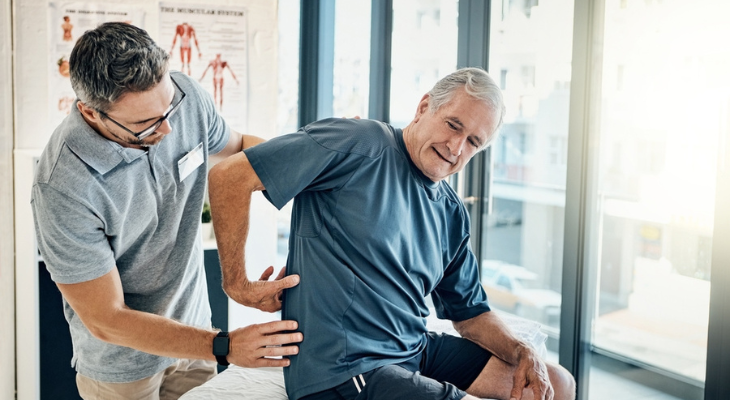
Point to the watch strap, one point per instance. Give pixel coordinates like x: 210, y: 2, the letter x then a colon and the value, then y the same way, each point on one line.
x: 221, y: 345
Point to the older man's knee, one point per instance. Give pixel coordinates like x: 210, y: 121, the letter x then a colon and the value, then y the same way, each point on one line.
x: 562, y: 381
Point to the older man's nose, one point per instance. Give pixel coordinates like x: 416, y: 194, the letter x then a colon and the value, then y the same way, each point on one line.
x: 456, y: 146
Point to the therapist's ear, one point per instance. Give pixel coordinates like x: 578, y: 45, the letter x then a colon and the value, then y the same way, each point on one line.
x: 88, y: 112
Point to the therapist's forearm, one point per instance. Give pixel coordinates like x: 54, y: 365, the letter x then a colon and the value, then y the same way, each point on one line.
x: 154, y: 334
x: 231, y: 185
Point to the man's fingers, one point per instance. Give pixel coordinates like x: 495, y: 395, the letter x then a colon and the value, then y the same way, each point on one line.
x: 279, y: 351
x: 518, y: 383
x: 276, y: 326
x: 538, y: 392
x: 282, y: 338
x: 288, y: 282
x: 266, y: 295
x: 267, y: 274
x: 271, y: 362
x: 282, y: 273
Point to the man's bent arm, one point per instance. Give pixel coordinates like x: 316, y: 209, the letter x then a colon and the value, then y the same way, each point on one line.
x: 236, y: 144
x: 231, y: 185
x: 491, y: 333
x: 100, y: 305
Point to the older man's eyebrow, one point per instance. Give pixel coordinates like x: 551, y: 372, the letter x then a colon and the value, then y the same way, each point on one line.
x: 461, y: 124
x: 457, y: 121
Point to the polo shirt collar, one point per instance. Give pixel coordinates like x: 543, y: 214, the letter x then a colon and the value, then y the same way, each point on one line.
x: 95, y: 150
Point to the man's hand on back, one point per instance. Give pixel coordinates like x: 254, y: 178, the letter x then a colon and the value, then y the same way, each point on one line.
x: 263, y: 294
x: 254, y: 345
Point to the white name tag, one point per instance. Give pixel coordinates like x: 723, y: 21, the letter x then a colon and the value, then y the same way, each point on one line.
x: 190, y: 161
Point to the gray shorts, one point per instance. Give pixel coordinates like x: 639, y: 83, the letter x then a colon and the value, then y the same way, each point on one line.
x: 443, y: 370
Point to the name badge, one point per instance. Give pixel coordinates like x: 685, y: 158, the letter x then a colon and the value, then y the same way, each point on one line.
x: 190, y: 161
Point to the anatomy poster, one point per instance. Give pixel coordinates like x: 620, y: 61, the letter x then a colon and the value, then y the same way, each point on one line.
x: 68, y: 21
x: 209, y: 43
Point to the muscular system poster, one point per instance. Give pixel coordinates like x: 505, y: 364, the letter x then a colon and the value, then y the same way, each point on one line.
x: 209, y: 43
x: 68, y: 21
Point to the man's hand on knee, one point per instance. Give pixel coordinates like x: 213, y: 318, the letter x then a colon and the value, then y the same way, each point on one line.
x: 531, y: 373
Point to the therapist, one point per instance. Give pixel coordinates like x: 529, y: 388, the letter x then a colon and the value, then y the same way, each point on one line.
x: 117, y: 199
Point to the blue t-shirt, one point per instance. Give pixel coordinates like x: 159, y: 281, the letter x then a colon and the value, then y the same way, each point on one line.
x: 371, y: 237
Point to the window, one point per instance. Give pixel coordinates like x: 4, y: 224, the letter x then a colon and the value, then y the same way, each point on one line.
x: 423, y: 51
x: 524, y: 233
x: 655, y: 180
x: 351, y: 72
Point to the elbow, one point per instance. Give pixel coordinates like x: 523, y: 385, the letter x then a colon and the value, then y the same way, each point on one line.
x: 233, y: 176
x: 467, y: 327
x: 105, y: 327
x: 225, y: 174
x: 100, y: 330
x: 216, y: 175
x: 460, y: 327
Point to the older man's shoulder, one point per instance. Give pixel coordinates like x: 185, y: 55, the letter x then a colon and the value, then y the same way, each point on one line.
x: 362, y: 136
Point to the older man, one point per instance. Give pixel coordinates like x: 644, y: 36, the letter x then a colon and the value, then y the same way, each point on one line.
x: 375, y: 230
x: 117, y: 201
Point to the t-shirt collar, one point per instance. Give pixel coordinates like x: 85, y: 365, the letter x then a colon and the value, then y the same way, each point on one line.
x: 417, y: 173
x: 95, y: 150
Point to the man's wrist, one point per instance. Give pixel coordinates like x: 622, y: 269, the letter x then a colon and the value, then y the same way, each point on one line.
x: 238, y: 291
x: 521, y: 350
x: 221, y: 347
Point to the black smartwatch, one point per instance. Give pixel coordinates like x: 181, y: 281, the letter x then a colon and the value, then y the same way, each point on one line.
x: 221, y: 347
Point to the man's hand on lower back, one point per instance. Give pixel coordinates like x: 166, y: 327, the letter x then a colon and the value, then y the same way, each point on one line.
x: 264, y: 345
x: 263, y: 294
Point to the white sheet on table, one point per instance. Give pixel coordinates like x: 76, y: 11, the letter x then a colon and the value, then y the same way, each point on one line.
x: 238, y: 383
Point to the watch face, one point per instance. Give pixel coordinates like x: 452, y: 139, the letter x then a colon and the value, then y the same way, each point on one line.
x: 220, y: 346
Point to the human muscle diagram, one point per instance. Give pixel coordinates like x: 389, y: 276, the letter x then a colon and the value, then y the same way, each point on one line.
x: 67, y: 27
x: 219, y: 36
x: 218, y: 65
x: 186, y: 33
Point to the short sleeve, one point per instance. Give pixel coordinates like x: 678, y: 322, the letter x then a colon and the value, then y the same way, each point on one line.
x: 459, y: 296
x: 70, y: 237
x: 217, y: 129
x: 313, y: 159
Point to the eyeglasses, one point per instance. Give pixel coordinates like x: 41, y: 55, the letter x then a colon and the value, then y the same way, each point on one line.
x: 152, y: 128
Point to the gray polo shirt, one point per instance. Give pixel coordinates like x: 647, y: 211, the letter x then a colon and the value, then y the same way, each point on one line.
x: 98, y: 205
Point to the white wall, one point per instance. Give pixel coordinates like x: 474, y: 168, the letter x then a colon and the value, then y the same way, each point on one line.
x: 32, y: 130
x: 7, y: 293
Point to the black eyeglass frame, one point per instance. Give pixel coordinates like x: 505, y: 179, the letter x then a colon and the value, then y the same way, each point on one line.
x: 152, y: 128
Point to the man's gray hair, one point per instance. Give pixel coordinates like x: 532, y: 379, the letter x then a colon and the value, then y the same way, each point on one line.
x: 477, y: 84
x: 114, y: 59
